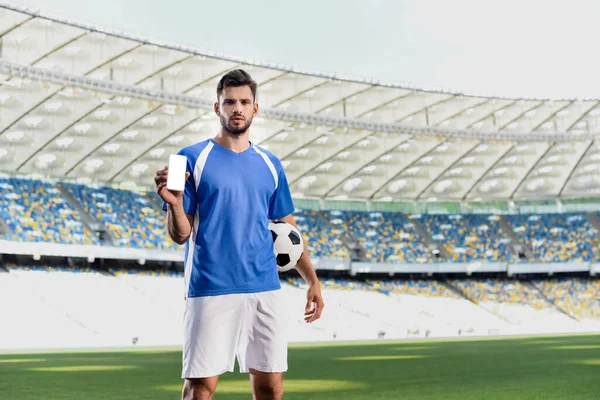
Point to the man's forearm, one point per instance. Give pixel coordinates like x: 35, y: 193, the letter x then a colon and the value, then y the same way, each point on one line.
x: 178, y: 224
x: 305, y: 268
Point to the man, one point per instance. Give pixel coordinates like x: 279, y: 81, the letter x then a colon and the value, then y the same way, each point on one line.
x: 232, y: 289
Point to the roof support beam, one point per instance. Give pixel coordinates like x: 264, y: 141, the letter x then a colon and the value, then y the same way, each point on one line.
x: 570, y: 175
x: 350, y: 123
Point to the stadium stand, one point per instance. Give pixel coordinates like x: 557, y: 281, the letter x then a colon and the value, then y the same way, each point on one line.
x: 500, y: 291
x: 34, y: 211
x: 469, y: 237
x: 133, y: 219
x: 414, y: 287
x: 576, y: 296
x: 322, y: 238
x: 73, y: 296
x: 386, y: 237
x: 556, y: 237
x: 146, y: 308
x: 517, y: 302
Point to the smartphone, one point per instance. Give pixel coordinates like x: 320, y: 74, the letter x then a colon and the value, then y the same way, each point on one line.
x: 177, y: 170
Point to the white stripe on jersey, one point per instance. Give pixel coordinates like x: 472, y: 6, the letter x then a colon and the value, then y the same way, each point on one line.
x: 190, y: 256
x: 199, y: 167
x: 201, y: 162
x: 269, y: 164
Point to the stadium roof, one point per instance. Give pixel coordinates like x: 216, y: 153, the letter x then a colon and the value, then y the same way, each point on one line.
x: 84, y: 102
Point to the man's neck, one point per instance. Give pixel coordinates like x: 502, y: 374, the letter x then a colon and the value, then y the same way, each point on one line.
x: 234, y: 143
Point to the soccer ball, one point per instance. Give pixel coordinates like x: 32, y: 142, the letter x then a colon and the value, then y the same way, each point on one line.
x: 287, y: 243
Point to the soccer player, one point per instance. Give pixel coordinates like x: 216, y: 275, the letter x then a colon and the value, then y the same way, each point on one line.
x: 232, y: 290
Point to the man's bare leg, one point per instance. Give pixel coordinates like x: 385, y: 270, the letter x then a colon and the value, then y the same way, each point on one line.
x: 266, y: 385
x: 199, y: 388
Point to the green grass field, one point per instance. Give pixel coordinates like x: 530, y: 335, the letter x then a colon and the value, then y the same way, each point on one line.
x: 548, y: 367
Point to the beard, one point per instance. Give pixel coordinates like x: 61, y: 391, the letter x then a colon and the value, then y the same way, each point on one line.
x: 235, y: 130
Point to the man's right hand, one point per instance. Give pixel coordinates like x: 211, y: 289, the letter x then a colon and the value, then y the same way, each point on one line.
x: 171, y: 197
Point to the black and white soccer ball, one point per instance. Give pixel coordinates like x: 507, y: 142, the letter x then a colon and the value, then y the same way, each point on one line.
x: 287, y: 243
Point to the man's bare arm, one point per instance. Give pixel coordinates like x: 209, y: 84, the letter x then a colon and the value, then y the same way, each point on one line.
x: 179, y: 224
x: 304, y: 265
x: 314, y: 298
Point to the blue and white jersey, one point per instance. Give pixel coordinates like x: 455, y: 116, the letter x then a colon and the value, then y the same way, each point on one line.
x: 232, y: 197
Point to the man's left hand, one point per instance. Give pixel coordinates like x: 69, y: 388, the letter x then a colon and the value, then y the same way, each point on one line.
x: 314, y: 303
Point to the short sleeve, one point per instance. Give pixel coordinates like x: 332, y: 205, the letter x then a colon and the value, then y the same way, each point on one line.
x: 189, y: 192
x: 281, y: 202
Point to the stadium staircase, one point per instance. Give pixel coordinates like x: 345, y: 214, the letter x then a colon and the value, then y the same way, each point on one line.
x: 552, y: 304
x: 428, y: 240
x: 521, y: 250
x: 456, y: 290
x: 594, y: 221
x: 98, y: 228
x: 472, y: 300
x: 3, y: 228
x: 356, y: 250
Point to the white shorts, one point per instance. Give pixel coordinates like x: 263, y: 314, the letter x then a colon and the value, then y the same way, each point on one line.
x: 251, y: 326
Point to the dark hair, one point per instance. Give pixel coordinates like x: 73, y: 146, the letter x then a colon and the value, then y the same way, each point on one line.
x: 236, y: 78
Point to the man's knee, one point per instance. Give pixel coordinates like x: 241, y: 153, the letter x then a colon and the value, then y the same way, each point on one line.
x: 268, y: 391
x: 267, y: 386
x: 199, y: 389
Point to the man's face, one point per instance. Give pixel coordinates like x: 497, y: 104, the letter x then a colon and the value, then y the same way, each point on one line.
x: 236, y: 108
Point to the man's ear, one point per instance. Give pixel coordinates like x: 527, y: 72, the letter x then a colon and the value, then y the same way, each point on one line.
x: 255, y: 109
x: 217, y: 108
